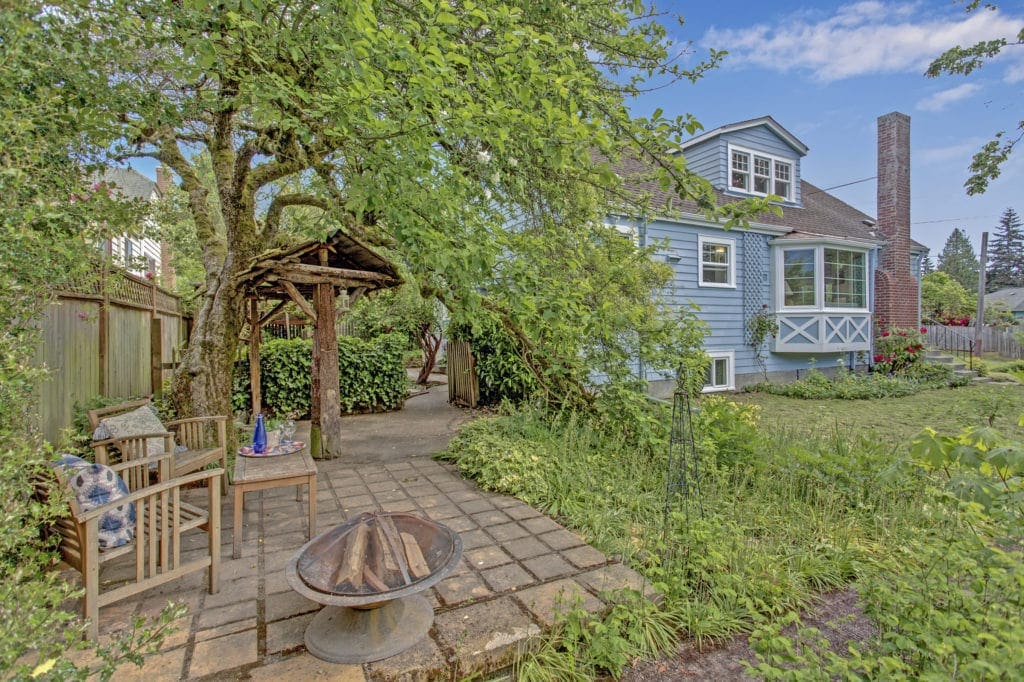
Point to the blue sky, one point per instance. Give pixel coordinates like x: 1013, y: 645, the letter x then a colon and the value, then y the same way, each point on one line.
x: 826, y: 71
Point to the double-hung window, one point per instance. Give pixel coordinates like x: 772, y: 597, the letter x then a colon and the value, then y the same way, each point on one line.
x: 761, y: 174
x: 783, y: 179
x: 824, y: 277
x: 717, y: 261
x: 739, y: 176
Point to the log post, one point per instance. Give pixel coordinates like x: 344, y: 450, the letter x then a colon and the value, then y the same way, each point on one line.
x: 254, y: 357
x: 325, y: 430
x: 326, y: 426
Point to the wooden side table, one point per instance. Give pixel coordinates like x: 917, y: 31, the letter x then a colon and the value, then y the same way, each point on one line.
x: 261, y: 473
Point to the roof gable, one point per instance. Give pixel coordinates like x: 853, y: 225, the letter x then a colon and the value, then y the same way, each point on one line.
x: 767, y: 121
x: 130, y: 184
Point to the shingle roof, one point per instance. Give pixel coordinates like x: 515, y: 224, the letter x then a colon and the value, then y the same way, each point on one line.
x: 130, y: 183
x: 822, y: 215
x: 1013, y: 296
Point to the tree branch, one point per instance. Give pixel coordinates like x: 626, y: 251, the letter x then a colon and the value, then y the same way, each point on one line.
x: 273, y: 220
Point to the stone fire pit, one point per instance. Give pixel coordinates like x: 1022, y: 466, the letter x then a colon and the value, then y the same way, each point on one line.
x: 368, y: 573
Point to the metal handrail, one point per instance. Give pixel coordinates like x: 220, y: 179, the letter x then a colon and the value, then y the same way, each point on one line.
x: 946, y: 339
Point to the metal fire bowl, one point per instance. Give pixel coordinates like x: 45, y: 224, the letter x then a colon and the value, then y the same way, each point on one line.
x: 370, y: 626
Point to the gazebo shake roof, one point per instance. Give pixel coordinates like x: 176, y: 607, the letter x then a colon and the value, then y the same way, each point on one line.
x: 351, y: 265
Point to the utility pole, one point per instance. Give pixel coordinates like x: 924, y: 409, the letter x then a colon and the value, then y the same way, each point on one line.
x: 979, y: 316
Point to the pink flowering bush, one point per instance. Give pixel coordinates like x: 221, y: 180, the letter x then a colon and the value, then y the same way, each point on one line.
x: 897, y: 349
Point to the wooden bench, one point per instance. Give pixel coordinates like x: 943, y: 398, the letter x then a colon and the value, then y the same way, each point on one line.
x: 205, y: 440
x: 160, y: 519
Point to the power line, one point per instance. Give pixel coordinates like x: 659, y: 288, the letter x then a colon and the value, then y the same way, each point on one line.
x: 952, y: 220
x: 845, y: 184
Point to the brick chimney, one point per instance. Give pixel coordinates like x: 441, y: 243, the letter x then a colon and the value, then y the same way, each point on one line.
x: 167, y: 277
x: 896, y: 288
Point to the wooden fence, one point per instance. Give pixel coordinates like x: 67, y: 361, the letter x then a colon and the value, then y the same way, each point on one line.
x: 463, y: 383
x: 1001, y: 340
x: 118, y: 337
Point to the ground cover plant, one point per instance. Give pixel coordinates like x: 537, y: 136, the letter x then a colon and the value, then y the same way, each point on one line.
x: 785, y: 512
x: 846, y: 385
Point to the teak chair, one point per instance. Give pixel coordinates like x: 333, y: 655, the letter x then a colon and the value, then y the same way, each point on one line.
x: 205, y: 440
x: 160, y: 519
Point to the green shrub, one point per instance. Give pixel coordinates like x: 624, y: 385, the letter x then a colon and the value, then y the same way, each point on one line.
x: 846, y: 385
x: 897, y: 349
x: 502, y: 373
x: 371, y: 375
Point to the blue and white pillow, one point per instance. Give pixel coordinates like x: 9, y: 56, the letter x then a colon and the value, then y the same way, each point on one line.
x: 95, y: 485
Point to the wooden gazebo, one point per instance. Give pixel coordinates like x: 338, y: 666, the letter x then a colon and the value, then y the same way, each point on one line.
x: 311, y: 275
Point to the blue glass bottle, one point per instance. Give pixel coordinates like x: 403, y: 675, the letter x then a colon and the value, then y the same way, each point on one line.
x: 259, y: 436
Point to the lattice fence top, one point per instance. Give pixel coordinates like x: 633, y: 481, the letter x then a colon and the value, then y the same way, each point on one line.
x: 123, y: 287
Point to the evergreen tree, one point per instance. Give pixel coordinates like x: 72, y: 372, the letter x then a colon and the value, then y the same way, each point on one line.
x: 1006, y: 254
x: 959, y: 261
x: 927, y: 266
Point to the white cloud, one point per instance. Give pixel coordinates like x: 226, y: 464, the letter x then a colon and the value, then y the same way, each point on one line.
x: 860, y: 39
x: 961, y: 152
x: 942, y: 99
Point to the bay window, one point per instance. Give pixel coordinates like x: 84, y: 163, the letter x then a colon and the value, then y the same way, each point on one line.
x: 823, y: 277
x: 798, y: 278
x: 845, y: 278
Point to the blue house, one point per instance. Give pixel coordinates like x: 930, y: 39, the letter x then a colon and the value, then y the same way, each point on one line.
x: 828, y: 273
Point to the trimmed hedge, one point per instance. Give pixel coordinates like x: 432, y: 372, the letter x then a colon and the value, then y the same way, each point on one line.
x: 371, y: 373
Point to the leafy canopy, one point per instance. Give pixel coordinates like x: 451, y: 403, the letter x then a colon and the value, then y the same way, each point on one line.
x: 987, y: 163
x: 475, y: 140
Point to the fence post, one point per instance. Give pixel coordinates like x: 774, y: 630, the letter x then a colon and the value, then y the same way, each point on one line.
x: 102, y: 324
x: 156, y: 356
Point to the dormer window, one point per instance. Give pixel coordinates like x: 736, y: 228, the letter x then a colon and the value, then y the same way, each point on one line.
x: 740, y: 171
x: 761, y: 174
x: 783, y: 179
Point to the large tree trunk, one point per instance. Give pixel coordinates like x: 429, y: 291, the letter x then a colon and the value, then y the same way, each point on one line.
x: 203, y: 381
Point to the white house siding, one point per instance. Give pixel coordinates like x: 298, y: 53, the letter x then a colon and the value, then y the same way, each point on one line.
x: 142, y: 250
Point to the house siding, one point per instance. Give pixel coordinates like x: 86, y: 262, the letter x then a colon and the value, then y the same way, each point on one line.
x: 708, y: 161
x: 726, y: 310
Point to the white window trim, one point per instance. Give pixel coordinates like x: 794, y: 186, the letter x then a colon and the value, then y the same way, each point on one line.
x: 819, y: 279
x: 730, y: 356
x: 751, y: 153
x: 721, y: 241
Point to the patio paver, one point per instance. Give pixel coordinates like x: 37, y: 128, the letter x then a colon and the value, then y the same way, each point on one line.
x: 517, y: 567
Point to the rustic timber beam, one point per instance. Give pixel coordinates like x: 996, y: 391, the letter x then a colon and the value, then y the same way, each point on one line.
x: 300, y: 278
x: 299, y: 300
x: 355, y: 295
x: 325, y: 270
x: 273, y: 311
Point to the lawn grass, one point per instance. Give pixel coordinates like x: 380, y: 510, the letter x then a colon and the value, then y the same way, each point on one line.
x: 894, y: 421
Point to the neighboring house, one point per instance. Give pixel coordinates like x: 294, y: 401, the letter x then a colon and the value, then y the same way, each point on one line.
x: 825, y: 270
x: 1013, y: 297
x: 141, y: 256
